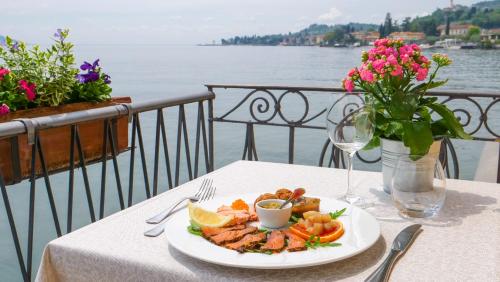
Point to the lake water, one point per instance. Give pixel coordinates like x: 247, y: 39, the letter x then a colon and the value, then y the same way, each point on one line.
x: 147, y: 72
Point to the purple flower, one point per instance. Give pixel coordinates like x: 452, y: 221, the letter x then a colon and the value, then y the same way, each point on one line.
x: 58, y: 34
x: 87, y: 77
x: 15, y: 46
x: 81, y: 78
x: 88, y: 66
x: 106, y: 78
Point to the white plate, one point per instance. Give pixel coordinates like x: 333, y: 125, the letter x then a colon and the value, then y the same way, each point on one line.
x: 361, y: 232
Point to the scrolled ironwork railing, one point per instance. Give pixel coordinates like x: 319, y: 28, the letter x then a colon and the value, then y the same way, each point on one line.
x: 185, y: 142
x: 203, y: 156
x: 265, y: 105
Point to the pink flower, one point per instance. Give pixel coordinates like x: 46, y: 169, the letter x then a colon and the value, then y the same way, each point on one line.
x: 392, y: 60
x: 405, y: 59
x: 397, y: 71
x: 423, y: 59
x: 415, y: 47
x: 390, y: 51
x: 422, y: 74
x: 3, y: 72
x: 29, y: 89
x: 378, y: 65
x: 415, y: 67
x: 4, y: 109
x: 348, y: 85
x: 372, y: 54
x: 406, y: 50
x: 381, y: 42
x: 351, y: 72
x: 366, y: 75
x: 381, y: 50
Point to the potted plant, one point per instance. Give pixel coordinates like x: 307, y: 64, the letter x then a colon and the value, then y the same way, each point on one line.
x: 35, y: 83
x: 394, y: 78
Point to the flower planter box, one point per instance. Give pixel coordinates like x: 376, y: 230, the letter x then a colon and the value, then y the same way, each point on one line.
x: 15, y: 161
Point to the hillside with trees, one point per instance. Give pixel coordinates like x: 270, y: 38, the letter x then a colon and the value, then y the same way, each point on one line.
x: 299, y: 38
x: 485, y: 15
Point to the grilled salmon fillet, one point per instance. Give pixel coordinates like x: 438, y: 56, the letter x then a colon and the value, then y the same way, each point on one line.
x: 295, y: 243
x: 248, y: 242
x: 275, y: 242
x: 232, y: 235
x: 212, y: 231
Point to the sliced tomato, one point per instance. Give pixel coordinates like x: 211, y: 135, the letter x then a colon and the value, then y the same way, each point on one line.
x: 331, y: 236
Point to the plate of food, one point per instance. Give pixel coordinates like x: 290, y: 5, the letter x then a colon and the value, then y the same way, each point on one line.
x: 267, y: 231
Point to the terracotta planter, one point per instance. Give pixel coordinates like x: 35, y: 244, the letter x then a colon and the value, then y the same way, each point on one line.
x: 56, y: 141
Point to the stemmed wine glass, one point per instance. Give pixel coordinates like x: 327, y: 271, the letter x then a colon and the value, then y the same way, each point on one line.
x: 349, y: 123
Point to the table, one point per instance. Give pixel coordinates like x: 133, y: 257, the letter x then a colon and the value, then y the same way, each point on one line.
x: 461, y: 244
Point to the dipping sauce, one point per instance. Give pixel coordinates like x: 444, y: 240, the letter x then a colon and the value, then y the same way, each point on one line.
x: 271, y: 205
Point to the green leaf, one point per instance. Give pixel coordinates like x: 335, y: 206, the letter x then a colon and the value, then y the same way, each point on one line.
x: 427, y: 100
x: 294, y: 218
x: 439, y: 128
x: 336, y: 214
x: 451, y: 121
x: 417, y: 136
x: 264, y: 230
x: 422, y: 88
x: 403, y: 106
x: 394, y: 130
x: 434, y: 84
x: 423, y: 112
x: 195, y: 230
x: 374, y: 143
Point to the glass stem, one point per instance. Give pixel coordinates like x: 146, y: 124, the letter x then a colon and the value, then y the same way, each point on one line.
x: 350, y: 190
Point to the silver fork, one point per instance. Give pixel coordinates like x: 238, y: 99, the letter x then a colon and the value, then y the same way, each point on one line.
x: 158, y: 229
x: 205, y: 185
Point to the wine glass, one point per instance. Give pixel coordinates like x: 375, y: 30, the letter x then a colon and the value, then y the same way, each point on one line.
x: 349, y: 123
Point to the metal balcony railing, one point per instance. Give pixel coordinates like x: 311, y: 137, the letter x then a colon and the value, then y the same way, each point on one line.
x: 260, y: 105
x: 190, y: 124
x: 109, y: 115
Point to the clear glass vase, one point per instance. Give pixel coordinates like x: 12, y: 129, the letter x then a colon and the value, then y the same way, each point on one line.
x: 418, y: 186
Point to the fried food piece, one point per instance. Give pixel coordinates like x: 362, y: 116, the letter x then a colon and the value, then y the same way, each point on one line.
x: 263, y: 197
x: 283, y: 194
x: 248, y: 242
x: 305, y: 204
x: 275, y: 242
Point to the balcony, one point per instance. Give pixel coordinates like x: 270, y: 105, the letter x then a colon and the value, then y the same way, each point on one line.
x: 174, y: 140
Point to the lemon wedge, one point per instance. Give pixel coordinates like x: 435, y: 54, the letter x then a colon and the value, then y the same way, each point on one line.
x: 204, y: 218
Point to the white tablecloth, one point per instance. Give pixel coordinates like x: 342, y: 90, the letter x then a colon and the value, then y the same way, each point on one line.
x: 461, y: 244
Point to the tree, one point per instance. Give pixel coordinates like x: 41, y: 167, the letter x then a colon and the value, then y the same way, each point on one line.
x: 406, y: 24
x: 474, y: 34
x: 381, y: 31
x: 447, y: 28
x: 388, y: 28
x: 336, y: 36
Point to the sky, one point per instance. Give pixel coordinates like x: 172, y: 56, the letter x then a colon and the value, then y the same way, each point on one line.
x: 190, y: 21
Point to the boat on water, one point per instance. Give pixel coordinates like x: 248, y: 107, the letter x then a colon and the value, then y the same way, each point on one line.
x: 469, y: 45
x: 429, y: 47
x: 454, y: 44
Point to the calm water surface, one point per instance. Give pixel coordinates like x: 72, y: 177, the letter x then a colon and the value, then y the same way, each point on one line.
x: 147, y: 72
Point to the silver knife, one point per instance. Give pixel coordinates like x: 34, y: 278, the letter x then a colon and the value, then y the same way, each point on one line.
x: 399, y: 246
